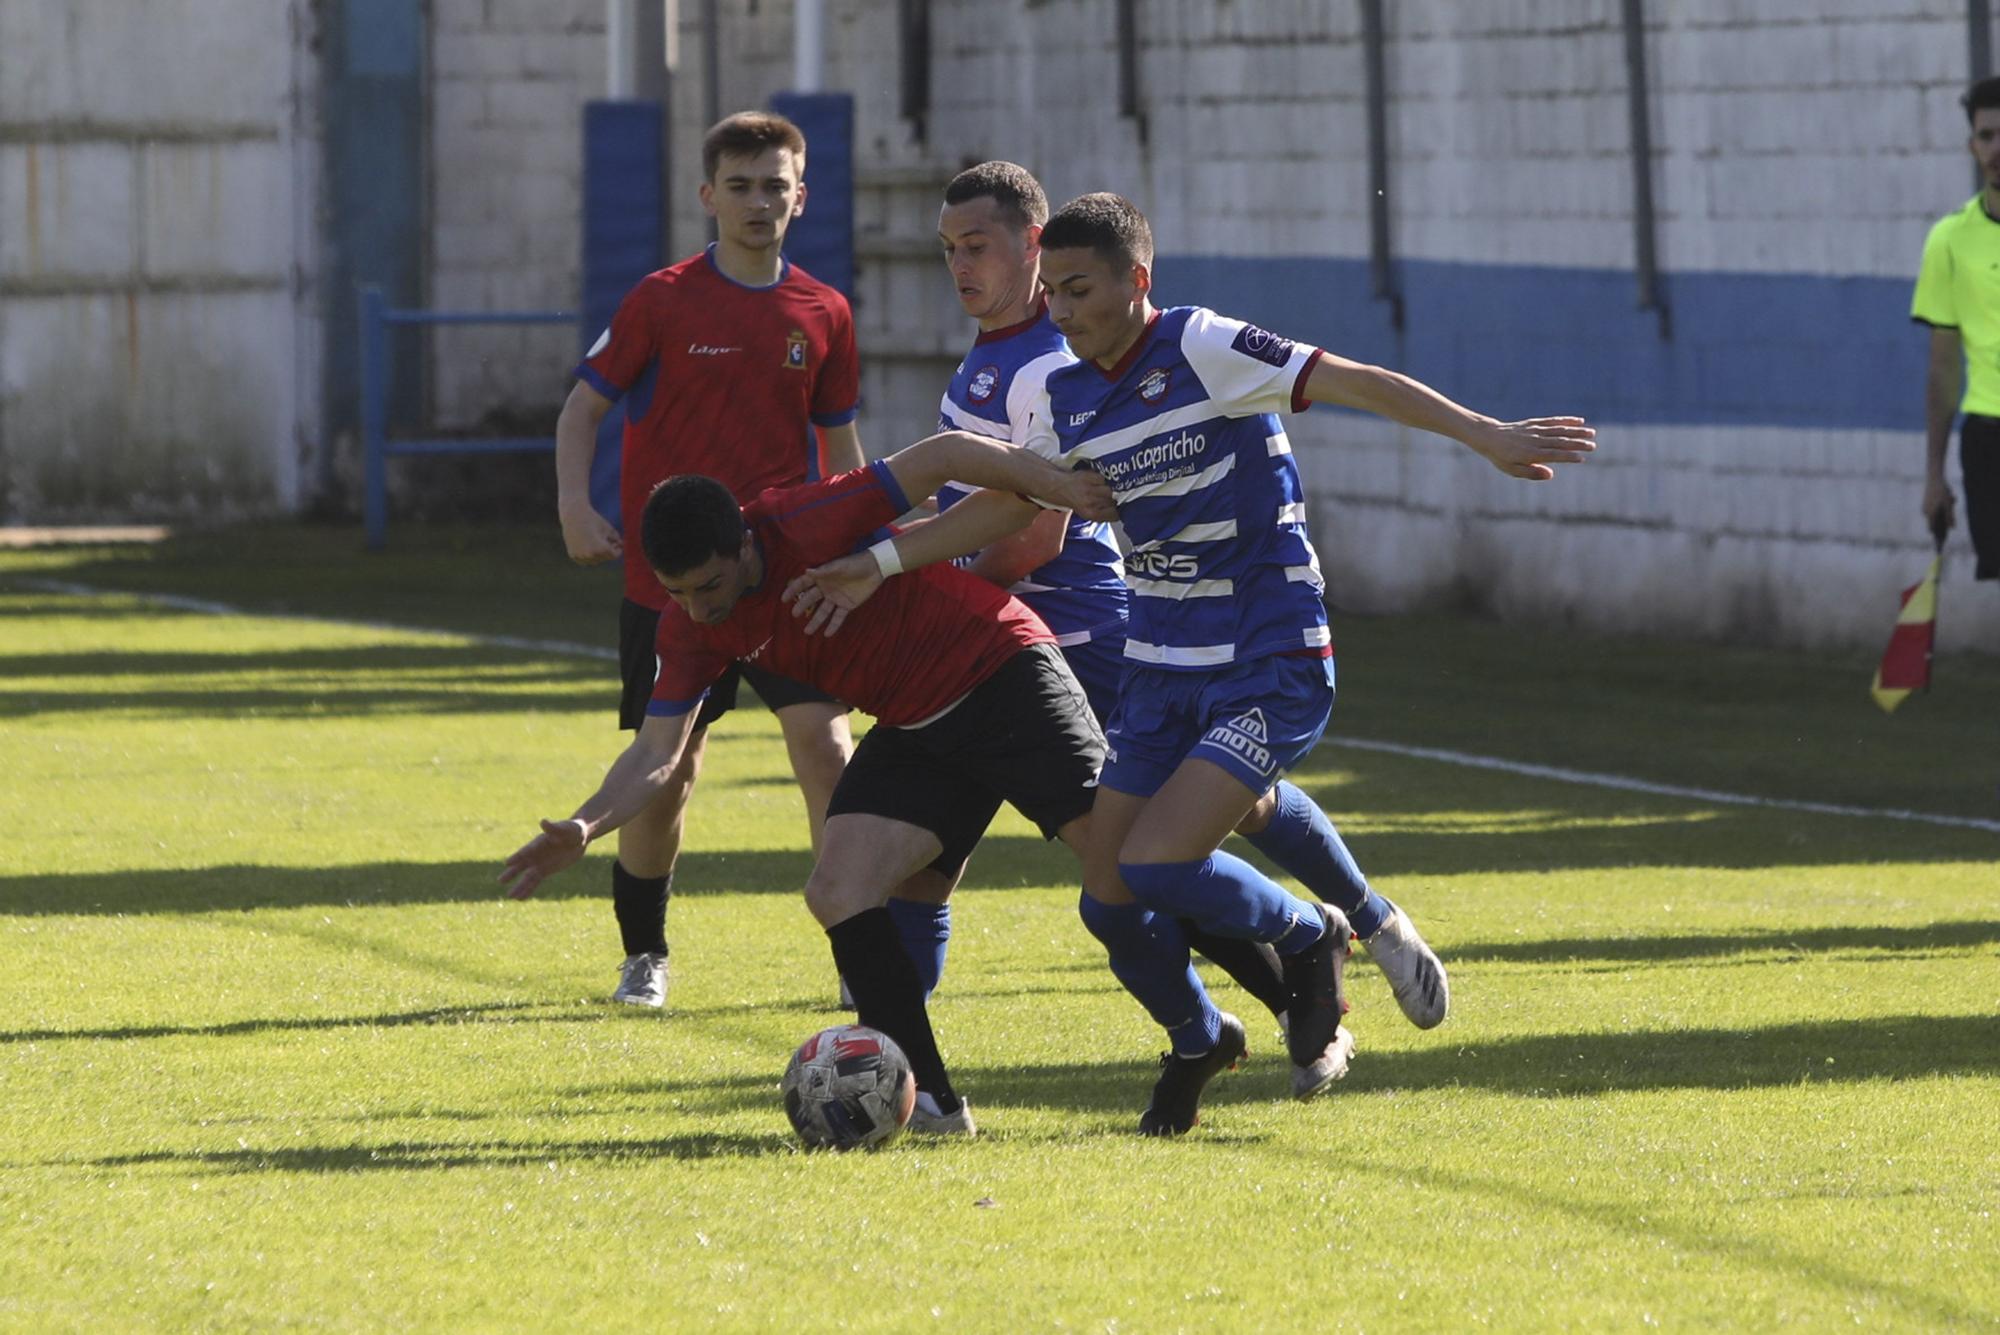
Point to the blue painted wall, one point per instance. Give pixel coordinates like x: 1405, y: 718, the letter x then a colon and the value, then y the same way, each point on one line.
x: 624, y: 221
x: 373, y: 85
x: 821, y: 240
x: 1788, y: 350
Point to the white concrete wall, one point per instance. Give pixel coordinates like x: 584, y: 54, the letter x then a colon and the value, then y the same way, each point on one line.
x: 158, y: 356
x: 1792, y: 137
x: 508, y: 82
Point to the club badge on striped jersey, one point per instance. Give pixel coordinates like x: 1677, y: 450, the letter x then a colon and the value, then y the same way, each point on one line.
x: 795, y: 350
x: 980, y: 388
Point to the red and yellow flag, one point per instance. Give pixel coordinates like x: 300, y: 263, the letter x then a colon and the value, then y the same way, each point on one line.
x: 1906, y: 663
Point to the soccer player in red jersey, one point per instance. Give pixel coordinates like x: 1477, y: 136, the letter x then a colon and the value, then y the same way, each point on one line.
x: 973, y: 699
x: 729, y: 364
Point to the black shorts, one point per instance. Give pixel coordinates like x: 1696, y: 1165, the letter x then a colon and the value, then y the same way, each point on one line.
x: 639, y: 664
x: 1025, y: 736
x: 1979, y: 462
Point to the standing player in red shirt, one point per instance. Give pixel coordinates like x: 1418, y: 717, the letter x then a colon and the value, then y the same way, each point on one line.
x: 973, y: 699
x: 727, y: 363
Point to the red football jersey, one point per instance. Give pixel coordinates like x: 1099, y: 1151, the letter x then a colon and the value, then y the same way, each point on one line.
x: 924, y: 639
x: 723, y: 380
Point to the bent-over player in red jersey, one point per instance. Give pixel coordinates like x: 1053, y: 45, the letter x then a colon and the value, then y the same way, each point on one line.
x: 971, y: 693
x: 728, y: 364
x: 973, y: 698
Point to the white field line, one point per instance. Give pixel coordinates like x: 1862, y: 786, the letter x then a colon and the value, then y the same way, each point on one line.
x: 1583, y: 778
x: 1619, y: 781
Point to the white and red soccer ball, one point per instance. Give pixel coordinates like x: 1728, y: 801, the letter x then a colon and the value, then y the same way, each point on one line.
x: 849, y: 1087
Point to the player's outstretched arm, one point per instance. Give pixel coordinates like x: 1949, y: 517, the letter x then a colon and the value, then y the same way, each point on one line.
x: 589, y: 539
x: 629, y: 785
x: 976, y: 461
x: 827, y: 593
x: 1525, y: 449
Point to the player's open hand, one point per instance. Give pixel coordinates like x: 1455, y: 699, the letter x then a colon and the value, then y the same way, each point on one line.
x: 588, y: 537
x: 1085, y: 492
x: 825, y: 594
x: 1528, y: 449
x: 559, y: 845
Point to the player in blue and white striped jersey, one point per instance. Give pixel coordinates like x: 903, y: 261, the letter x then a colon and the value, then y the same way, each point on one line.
x: 1232, y: 676
x: 1068, y: 570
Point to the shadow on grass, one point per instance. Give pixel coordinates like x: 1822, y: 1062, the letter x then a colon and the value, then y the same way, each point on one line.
x: 1893, y: 1047
x: 1928, y: 938
x: 1900, y: 1047
x: 1110, y: 1094
x: 358, y: 681
x: 379, y: 884
x: 407, y: 1156
x: 506, y: 1012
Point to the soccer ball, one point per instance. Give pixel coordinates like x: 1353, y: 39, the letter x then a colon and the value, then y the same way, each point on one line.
x: 849, y: 1086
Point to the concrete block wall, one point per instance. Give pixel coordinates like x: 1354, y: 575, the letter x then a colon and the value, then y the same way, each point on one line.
x: 1761, y: 465
x: 509, y: 79
x: 157, y: 339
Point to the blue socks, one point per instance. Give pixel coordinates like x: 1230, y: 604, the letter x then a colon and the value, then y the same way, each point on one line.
x: 926, y: 933
x: 1229, y: 897
x: 1303, y: 841
x: 1150, y: 957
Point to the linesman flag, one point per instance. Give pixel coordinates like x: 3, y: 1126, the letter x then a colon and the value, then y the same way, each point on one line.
x: 1906, y: 663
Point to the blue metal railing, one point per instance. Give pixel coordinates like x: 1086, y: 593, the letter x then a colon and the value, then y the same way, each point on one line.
x: 376, y: 317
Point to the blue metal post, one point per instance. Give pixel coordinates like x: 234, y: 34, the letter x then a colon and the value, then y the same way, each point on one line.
x: 374, y: 415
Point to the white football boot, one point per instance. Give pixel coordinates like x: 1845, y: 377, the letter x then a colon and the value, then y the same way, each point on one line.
x: 1308, y: 1081
x: 927, y: 1120
x: 1413, y: 971
x: 642, y: 980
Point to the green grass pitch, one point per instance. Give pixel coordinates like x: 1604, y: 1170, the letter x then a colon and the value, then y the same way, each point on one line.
x: 274, y: 1051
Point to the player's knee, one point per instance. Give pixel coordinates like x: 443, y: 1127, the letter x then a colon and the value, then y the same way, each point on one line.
x: 1112, y: 924
x: 1160, y: 885
x: 818, y: 758
x: 835, y: 899
x: 1258, y: 818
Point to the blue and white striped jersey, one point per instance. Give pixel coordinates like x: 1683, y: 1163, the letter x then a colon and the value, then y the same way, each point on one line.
x: 1081, y: 593
x: 1185, y: 430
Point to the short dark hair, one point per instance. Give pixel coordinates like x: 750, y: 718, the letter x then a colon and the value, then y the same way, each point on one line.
x: 687, y: 520
x: 1012, y: 188
x: 745, y: 135
x: 1109, y: 224
x: 1982, y: 96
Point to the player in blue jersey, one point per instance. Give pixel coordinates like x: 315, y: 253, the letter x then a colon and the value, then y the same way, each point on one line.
x: 1069, y: 570
x: 1231, y: 680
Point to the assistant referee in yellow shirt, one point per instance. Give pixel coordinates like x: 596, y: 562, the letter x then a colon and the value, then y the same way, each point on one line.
x: 1958, y: 296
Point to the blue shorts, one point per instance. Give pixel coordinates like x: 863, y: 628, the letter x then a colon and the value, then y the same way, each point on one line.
x: 1256, y: 720
x: 1099, y: 665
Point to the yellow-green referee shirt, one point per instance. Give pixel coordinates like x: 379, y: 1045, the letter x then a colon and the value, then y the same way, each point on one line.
x: 1959, y: 288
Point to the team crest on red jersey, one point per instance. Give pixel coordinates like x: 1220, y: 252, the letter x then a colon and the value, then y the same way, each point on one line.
x: 795, y: 350
x: 982, y: 385
x: 1154, y: 385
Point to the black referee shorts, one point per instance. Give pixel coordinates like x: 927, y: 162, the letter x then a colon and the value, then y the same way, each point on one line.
x: 1025, y: 736
x: 1979, y: 461
x: 639, y: 665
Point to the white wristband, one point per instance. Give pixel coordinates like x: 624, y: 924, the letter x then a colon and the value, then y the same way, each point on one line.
x: 886, y: 558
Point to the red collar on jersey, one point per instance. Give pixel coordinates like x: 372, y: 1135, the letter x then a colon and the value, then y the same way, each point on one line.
x: 995, y: 335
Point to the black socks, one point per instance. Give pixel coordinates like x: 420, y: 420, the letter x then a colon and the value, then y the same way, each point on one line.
x: 889, y: 996
x: 641, y: 905
x: 1252, y: 964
